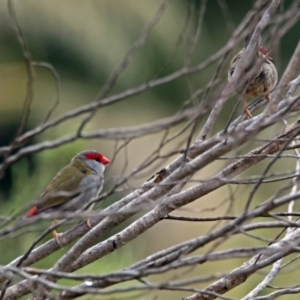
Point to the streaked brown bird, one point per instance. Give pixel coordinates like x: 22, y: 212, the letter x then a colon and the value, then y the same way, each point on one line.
x: 261, y: 83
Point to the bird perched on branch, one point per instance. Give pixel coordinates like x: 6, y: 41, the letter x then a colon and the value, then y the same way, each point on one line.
x: 261, y: 82
x: 73, y: 186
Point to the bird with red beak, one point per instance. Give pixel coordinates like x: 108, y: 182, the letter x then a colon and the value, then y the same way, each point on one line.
x: 73, y: 187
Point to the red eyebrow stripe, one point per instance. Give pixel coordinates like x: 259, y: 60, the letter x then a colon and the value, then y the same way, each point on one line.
x: 32, y: 211
x: 97, y: 156
x: 93, y: 156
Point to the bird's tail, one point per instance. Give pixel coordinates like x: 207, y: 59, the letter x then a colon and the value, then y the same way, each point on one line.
x: 18, y: 225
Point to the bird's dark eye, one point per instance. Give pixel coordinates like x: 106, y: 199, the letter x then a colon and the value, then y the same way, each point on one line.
x: 97, y: 159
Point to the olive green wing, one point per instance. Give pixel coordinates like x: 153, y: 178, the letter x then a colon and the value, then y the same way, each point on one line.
x: 67, y: 180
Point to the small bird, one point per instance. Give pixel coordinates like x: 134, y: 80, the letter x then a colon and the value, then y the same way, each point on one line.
x: 73, y: 186
x: 260, y: 84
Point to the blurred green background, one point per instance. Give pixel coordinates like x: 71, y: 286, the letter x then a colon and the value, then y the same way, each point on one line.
x: 85, y: 41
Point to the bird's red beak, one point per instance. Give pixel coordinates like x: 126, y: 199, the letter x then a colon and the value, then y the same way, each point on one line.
x: 105, y: 160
